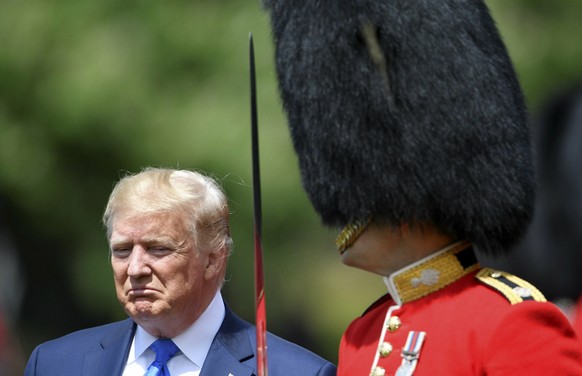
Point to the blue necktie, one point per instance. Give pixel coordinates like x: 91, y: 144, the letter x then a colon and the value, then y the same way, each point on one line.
x: 165, y: 349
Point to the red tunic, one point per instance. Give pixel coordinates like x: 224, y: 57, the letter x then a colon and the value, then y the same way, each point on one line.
x: 471, y: 327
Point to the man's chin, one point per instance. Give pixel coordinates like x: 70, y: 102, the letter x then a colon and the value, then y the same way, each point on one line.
x: 354, y: 260
x: 347, y: 258
x: 142, y: 310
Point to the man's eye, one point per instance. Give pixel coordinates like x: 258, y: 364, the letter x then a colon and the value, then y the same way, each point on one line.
x: 159, y: 251
x: 121, y: 252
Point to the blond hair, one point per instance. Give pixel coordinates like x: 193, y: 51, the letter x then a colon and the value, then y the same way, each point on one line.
x: 198, y: 197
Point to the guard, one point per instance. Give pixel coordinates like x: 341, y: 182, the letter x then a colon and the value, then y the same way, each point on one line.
x: 412, y: 136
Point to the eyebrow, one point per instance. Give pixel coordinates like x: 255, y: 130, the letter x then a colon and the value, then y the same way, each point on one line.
x: 148, y: 240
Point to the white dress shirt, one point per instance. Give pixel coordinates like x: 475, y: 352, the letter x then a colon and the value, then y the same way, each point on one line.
x: 193, y: 343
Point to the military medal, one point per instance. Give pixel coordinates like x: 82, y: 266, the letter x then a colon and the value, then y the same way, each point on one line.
x: 410, y: 353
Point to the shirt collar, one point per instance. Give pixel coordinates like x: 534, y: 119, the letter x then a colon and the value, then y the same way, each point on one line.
x: 195, y: 341
x: 431, y: 273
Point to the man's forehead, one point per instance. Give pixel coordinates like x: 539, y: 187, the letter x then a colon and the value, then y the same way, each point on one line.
x: 141, y: 217
x: 153, y: 226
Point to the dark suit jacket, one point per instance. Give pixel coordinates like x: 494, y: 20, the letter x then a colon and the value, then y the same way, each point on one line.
x: 102, y: 351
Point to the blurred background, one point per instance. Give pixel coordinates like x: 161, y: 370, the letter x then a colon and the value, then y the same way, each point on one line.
x: 92, y: 90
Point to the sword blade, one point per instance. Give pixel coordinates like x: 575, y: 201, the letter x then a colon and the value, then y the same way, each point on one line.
x: 260, y: 309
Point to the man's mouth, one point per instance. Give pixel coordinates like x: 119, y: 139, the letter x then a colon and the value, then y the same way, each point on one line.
x: 141, y: 291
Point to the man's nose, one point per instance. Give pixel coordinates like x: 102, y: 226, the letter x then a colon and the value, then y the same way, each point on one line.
x: 138, y: 262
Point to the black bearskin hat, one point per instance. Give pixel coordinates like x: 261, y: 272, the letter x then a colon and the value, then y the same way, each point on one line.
x: 406, y: 111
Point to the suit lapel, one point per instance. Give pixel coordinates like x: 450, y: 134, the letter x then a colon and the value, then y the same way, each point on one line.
x: 230, y: 349
x: 227, y: 356
x: 111, y: 358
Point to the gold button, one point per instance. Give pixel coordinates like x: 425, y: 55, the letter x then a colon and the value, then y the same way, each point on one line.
x: 378, y: 371
x: 394, y: 323
x: 385, y: 349
x: 495, y: 274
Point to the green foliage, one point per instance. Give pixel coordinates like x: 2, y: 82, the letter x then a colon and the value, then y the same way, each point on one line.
x: 89, y: 90
x: 543, y: 40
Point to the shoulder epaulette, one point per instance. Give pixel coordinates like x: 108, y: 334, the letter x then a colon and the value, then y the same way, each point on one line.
x: 515, y: 289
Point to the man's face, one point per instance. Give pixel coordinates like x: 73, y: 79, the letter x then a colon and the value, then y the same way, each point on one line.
x: 377, y: 250
x: 162, y: 281
x: 383, y: 249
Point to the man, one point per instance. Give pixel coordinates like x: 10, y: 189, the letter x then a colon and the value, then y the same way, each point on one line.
x: 412, y: 134
x: 169, y: 237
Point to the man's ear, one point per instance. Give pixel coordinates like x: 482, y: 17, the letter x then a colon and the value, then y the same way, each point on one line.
x: 215, y: 263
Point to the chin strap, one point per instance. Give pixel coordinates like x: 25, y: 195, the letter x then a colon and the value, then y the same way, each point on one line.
x: 350, y: 233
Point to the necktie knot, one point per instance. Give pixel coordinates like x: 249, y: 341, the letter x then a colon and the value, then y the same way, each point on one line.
x: 165, y: 349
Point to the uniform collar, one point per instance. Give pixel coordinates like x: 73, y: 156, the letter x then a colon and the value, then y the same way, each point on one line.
x: 431, y: 273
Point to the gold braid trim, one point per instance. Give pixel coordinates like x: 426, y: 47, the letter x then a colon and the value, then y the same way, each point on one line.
x: 350, y: 233
x: 435, y: 273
